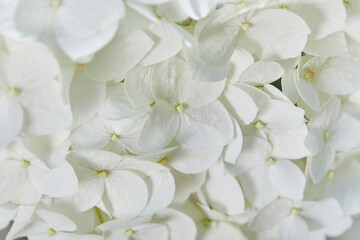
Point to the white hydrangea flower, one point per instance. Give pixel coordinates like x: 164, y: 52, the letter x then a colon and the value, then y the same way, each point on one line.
x: 30, y: 96
x: 295, y: 219
x: 80, y: 27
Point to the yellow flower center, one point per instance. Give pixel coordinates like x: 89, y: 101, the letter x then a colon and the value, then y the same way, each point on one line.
x: 25, y: 163
x: 103, y: 174
x: 162, y: 161
x: 270, y: 161
x: 295, y: 211
x: 129, y: 232
x: 180, y: 108
x: 309, y: 74
x: 114, y: 137
x: 12, y: 92
x: 259, y: 124
x: 327, y: 134
x: 347, y: 3
x: 51, y: 232
x: 330, y: 174
x: 245, y: 26
x: 55, y: 4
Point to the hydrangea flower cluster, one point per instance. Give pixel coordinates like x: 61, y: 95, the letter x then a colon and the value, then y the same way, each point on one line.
x: 160, y: 119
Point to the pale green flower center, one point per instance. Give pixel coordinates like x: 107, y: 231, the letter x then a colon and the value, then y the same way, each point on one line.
x: 347, y: 3
x: 162, y: 161
x: 245, y: 26
x: 309, y: 74
x: 12, y: 92
x: 25, y: 162
x: 129, y: 232
x: 259, y: 124
x: 180, y: 108
x: 103, y: 174
x: 114, y: 137
x: 326, y: 134
x: 295, y: 211
x: 207, y: 222
x: 55, y: 4
x: 330, y: 174
x: 270, y: 161
x: 51, y: 232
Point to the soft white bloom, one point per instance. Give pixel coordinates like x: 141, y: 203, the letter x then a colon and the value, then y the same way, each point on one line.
x: 30, y: 96
x: 80, y: 27
x: 330, y: 130
x: 141, y: 187
x: 24, y: 177
x: 269, y: 34
x: 185, y: 109
x: 319, y: 77
x: 53, y: 226
x: 295, y: 219
x: 167, y: 224
x: 264, y: 176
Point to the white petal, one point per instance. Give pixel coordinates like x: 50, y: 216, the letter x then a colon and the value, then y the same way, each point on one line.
x: 150, y: 231
x: 138, y: 85
x: 196, y: 10
x: 11, y: 120
x: 167, y: 43
x: 171, y: 81
x: 86, y: 97
x: 261, y: 73
x: 205, y: 127
x: 340, y: 70
x: 91, y: 190
x: 126, y: 49
x: 278, y: 114
x: 257, y: 186
x: 126, y: 194
x: 80, y: 47
x: 76, y: 236
x: 271, y: 215
x: 344, y: 135
x: 86, y: 17
x: 225, y: 194
x: 160, y: 182
x: 239, y: 104
x: 160, y: 127
x: 56, y: 221
x: 58, y: 182
x: 293, y: 227
x: 117, y: 105
x: 186, y: 184
x: 38, y: 67
x: 239, y: 62
x: 321, y: 162
x: 345, y: 187
x: 322, y: 17
x: 289, y: 143
x: 287, y: 179
x: 44, y: 109
x: 320, y: 214
x: 314, y: 140
x: 272, y: 33
x: 177, y: 221
x: 327, y: 116
x: 232, y: 150
x: 332, y: 45
x: 13, y: 179
x: 36, y: 20
x: 192, y: 161
x: 51, y: 149
x: 255, y: 152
